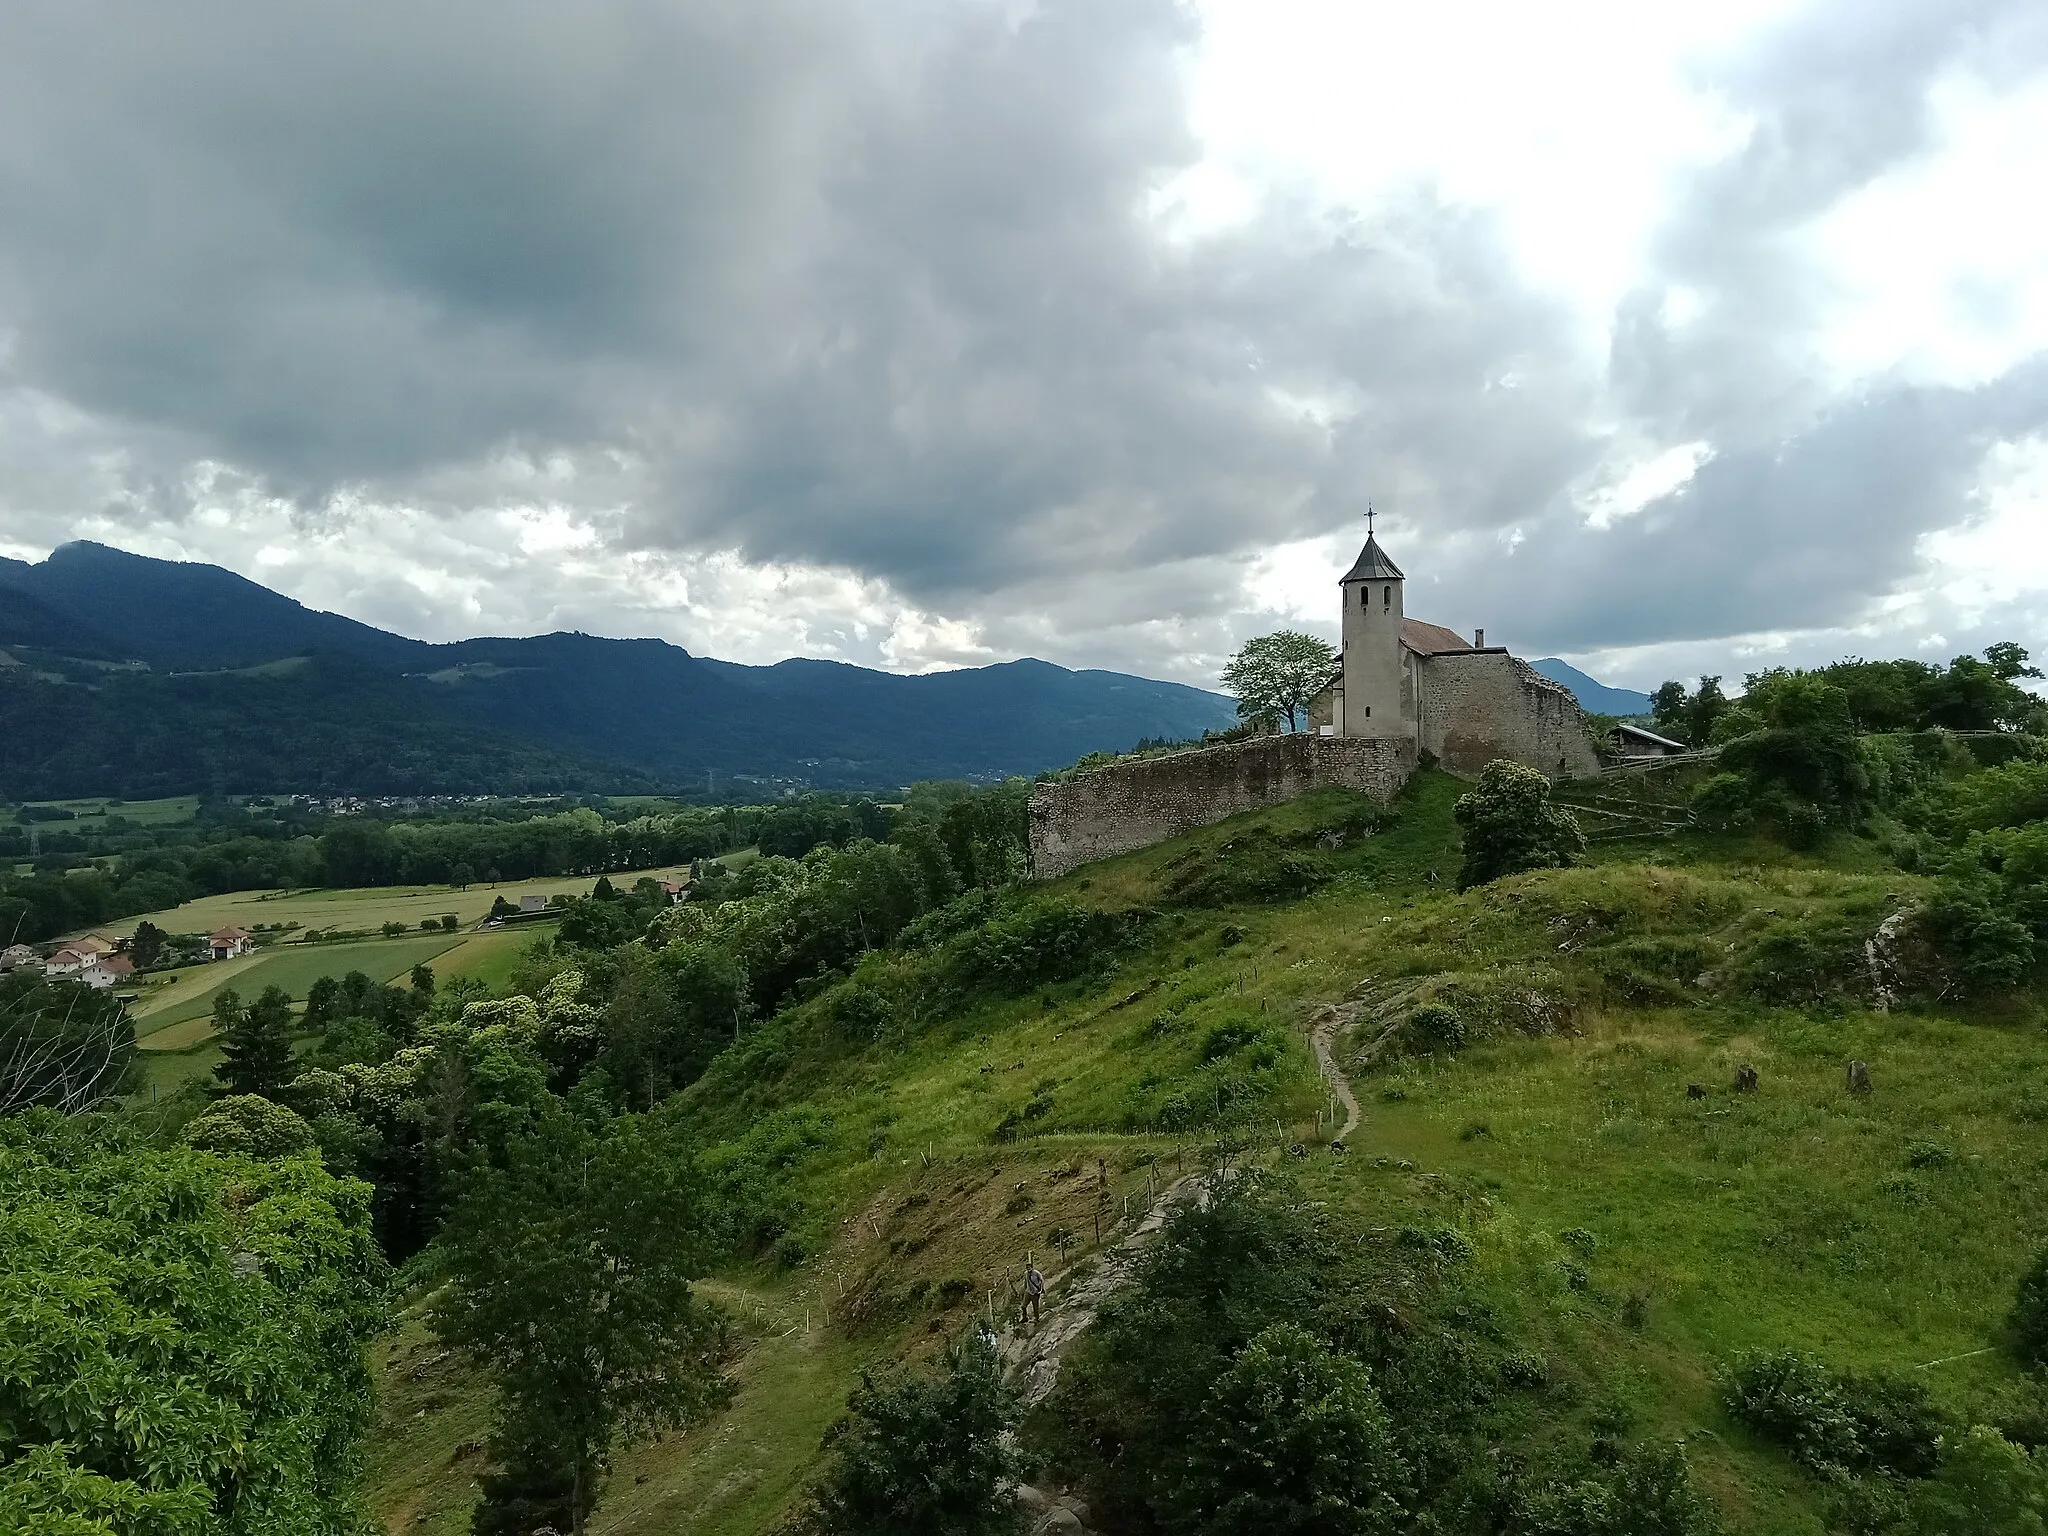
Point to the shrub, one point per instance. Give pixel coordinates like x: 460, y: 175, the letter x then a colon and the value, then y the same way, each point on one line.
x: 1436, y: 1027
x: 2029, y: 1316
x: 393, y: 929
x: 925, y: 1455
x: 1648, y: 1493
x: 1042, y: 941
x: 1975, y: 934
x: 1834, y: 1422
x: 1253, y: 867
x: 1294, y: 1441
x: 1510, y: 826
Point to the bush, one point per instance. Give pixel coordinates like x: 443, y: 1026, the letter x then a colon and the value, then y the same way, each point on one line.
x: 393, y: 930
x: 2029, y: 1316
x: 1436, y: 1027
x: 1294, y: 1441
x: 1836, y: 1422
x: 1649, y: 1493
x: 1042, y: 941
x: 1511, y: 826
x: 247, y: 1125
x: 925, y: 1455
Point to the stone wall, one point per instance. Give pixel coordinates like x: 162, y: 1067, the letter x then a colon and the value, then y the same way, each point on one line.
x: 1477, y: 706
x: 1133, y: 805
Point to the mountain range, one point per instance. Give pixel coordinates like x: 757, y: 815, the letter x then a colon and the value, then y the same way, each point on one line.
x: 136, y: 676
x: 133, y: 676
x: 1590, y: 692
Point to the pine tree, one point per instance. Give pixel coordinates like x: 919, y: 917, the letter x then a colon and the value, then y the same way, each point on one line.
x: 256, y: 1042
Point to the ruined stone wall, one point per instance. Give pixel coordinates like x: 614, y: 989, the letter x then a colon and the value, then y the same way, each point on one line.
x: 1133, y: 805
x: 1477, y: 706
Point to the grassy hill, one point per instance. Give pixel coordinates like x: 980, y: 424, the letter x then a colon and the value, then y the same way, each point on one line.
x: 1625, y: 1222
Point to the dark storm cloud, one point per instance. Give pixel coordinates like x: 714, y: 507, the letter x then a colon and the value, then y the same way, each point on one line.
x: 871, y: 285
x: 1796, y: 536
x: 880, y: 285
x: 1809, y: 510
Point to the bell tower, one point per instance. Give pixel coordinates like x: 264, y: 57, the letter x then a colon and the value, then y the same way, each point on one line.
x: 1372, y: 643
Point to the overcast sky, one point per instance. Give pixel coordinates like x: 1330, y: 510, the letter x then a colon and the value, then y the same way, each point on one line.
x: 922, y: 333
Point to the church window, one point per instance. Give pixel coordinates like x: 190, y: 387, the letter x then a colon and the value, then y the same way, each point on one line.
x: 1386, y: 597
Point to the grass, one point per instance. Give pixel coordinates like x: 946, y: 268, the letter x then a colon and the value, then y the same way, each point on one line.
x: 1884, y: 1231
x: 370, y: 907
x: 490, y: 957
x: 293, y: 967
x: 170, y: 811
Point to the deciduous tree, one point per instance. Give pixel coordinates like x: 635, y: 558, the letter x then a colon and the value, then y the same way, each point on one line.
x: 570, y: 1262
x: 1510, y: 826
x: 1277, y: 675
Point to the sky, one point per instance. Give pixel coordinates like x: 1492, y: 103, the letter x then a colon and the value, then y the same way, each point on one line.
x: 929, y: 333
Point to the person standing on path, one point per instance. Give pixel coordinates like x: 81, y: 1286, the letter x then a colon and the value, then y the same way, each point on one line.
x: 1034, y: 1287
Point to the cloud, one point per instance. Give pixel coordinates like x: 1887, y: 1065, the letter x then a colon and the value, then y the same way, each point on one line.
x: 871, y: 331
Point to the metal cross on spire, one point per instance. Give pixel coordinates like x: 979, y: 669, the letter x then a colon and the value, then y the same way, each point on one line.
x: 1368, y: 519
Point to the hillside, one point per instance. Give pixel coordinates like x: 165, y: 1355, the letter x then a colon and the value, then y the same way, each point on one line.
x: 1564, y: 1244
x: 573, y: 710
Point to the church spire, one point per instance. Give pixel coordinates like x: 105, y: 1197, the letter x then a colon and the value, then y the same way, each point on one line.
x: 1373, y: 564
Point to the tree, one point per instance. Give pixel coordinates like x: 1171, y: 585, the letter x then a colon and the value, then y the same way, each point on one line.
x: 147, y: 947
x: 323, y: 1003
x: 463, y: 876
x: 1277, y: 675
x: 1667, y: 710
x: 256, y: 1042
x: 423, y: 979
x: 185, y: 1336
x: 569, y: 1265
x: 925, y: 1455
x: 244, y: 1125
x: 1510, y: 826
x: 1294, y: 1442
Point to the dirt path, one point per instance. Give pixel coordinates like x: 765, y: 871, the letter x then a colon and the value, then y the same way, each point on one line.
x: 1333, y: 1023
x: 1034, y: 1358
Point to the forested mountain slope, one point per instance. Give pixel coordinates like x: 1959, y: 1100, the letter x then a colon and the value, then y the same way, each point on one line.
x: 592, y: 712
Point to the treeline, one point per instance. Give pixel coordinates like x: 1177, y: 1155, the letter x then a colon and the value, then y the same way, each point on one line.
x: 276, y: 853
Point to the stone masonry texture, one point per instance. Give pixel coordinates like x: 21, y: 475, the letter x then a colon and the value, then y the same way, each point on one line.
x: 1135, y: 804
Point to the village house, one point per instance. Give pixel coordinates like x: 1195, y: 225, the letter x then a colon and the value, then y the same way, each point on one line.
x: 16, y: 956
x: 108, y: 971
x: 69, y: 961
x: 227, y: 943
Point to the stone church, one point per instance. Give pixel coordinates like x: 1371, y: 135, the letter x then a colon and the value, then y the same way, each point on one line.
x: 1461, y: 704
x: 1405, y: 694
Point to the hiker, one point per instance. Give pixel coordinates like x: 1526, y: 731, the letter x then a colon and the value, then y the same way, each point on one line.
x: 1034, y: 1287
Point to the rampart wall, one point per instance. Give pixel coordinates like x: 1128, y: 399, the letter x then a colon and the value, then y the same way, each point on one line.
x: 1476, y: 706
x: 1133, y: 805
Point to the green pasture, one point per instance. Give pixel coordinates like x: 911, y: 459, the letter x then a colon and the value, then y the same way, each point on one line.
x: 295, y: 968
x: 143, y: 813
x: 491, y: 956
x: 358, y: 908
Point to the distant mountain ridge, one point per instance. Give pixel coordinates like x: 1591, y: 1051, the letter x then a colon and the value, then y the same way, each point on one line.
x: 631, y: 712
x: 1591, y: 693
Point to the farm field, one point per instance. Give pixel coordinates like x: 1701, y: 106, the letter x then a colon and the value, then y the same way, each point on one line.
x: 142, y: 813
x: 490, y: 957
x: 362, y: 907
x: 293, y: 967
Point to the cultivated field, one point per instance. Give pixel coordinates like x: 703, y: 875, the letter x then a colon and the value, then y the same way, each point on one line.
x: 294, y: 967
x: 368, y: 907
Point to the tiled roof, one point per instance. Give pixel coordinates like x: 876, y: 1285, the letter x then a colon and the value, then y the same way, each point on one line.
x: 1431, y: 639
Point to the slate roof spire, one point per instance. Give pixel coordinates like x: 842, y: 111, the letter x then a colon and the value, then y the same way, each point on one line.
x: 1373, y: 564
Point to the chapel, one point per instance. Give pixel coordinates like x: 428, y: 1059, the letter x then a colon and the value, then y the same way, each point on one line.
x: 1461, y: 703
